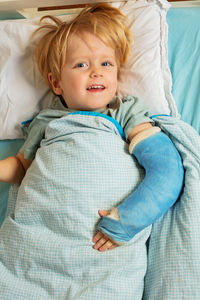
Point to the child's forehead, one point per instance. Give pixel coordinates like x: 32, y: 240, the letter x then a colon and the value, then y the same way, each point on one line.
x: 85, y: 38
x: 88, y: 42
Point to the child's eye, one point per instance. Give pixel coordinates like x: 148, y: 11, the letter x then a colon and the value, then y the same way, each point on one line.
x: 106, y: 64
x: 81, y: 65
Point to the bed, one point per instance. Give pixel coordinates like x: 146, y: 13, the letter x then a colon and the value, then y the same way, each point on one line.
x: 164, y: 71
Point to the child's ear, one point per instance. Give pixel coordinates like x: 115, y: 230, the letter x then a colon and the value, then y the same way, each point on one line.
x: 55, y: 84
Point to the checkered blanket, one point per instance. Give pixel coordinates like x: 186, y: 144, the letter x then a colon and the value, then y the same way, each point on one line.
x: 173, y: 257
x: 46, y: 240
x: 46, y: 249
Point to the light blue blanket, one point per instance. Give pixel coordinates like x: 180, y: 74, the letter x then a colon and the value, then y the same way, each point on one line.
x: 46, y: 240
x: 46, y: 249
x: 174, y: 247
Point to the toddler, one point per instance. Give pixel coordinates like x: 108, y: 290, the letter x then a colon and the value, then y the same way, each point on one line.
x: 81, y: 62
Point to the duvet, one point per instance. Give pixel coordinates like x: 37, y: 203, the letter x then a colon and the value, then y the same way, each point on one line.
x: 46, y: 249
x: 173, y: 255
x: 83, y: 165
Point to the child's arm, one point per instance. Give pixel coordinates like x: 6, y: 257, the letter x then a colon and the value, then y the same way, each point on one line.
x: 154, y: 196
x: 13, y: 169
x: 102, y: 241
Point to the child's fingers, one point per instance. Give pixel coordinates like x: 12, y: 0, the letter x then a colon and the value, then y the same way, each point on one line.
x: 103, y: 213
x: 107, y: 246
x: 103, y: 242
x: 97, y: 237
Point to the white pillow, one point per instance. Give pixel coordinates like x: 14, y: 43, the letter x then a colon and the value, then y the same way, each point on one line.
x: 23, y: 92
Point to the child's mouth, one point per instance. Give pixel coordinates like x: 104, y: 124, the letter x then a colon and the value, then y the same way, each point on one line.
x: 96, y: 88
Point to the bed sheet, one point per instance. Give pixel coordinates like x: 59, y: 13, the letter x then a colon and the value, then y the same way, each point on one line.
x: 184, y: 61
x: 7, y: 148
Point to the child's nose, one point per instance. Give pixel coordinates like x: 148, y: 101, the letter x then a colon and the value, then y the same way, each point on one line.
x: 96, y: 72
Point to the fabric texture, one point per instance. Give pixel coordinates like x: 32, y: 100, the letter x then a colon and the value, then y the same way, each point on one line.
x: 184, y: 62
x: 46, y: 249
x: 173, y: 256
x: 45, y: 242
x: 7, y: 148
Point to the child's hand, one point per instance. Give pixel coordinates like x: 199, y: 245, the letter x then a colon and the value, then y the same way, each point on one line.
x: 101, y: 240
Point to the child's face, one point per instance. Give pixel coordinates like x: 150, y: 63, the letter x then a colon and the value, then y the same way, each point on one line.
x: 89, y: 77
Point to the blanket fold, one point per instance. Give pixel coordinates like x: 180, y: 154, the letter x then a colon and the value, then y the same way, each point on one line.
x: 83, y: 165
x: 173, y: 255
x: 46, y: 249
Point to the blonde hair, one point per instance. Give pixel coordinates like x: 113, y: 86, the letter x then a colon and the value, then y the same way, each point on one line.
x: 103, y: 20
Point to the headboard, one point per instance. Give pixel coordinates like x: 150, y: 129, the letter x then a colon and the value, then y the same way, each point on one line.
x: 20, y: 4
x: 16, y: 5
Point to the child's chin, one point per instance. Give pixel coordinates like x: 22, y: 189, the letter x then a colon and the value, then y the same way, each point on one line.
x: 95, y: 108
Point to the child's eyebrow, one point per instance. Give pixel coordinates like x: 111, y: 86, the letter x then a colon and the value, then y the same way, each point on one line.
x: 73, y: 60
x: 83, y: 58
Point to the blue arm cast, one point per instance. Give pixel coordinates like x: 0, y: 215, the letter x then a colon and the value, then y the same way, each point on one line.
x: 158, y: 191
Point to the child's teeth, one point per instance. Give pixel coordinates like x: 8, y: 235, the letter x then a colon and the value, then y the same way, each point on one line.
x: 95, y: 87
